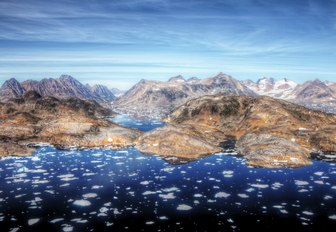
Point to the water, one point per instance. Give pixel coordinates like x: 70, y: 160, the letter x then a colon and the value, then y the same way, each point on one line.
x: 117, y: 190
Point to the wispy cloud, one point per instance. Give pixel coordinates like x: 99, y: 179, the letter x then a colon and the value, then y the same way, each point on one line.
x: 143, y: 38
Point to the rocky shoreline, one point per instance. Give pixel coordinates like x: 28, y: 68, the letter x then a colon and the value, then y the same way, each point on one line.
x: 266, y: 132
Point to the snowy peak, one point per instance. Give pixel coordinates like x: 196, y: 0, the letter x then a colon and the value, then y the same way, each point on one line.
x: 271, y: 87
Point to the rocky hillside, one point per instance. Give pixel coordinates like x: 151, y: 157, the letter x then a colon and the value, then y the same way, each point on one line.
x: 268, y: 132
x: 69, y: 122
x: 156, y: 97
x: 62, y: 88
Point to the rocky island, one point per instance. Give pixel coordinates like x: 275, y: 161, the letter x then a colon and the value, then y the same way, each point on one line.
x: 268, y: 132
x: 68, y: 122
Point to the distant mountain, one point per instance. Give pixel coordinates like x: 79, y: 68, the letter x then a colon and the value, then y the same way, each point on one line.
x: 271, y: 87
x: 103, y: 92
x: 117, y: 92
x: 11, y: 89
x: 157, y: 98
x: 313, y: 91
x: 63, y: 87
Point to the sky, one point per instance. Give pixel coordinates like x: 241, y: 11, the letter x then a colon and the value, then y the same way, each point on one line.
x: 119, y: 42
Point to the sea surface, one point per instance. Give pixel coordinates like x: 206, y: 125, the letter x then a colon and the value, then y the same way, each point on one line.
x: 125, y: 190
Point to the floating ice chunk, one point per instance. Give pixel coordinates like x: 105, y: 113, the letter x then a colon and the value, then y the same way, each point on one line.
x: 82, y: 203
x: 67, y: 177
x: 167, y: 196
x: 228, y: 173
x: 150, y: 223
x: 40, y: 181
x: 163, y: 218
x: 90, y: 195
x: 89, y: 174
x: 301, y: 182
x: 332, y: 217
x: 96, y: 186
x: 250, y: 190
x: 327, y: 197
x: 222, y: 195
x: 33, y: 221
x: 148, y: 193
x: 243, y: 195
x: 333, y: 187
x: 172, y: 189
x: 276, y: 185
x: 64, y: 185
x: 318, y: 173
x: 319, y: 182
x: 303, y: 190
x: 283, y: 211
x: 262, y: 186
x: 308, y: 213
x: 198, y: 195
x: 103, y: 210
x: 67, y: 228
x: 184, y: 207
x: 146, y: 182
x: 14, y: 229
x: 56, y: 220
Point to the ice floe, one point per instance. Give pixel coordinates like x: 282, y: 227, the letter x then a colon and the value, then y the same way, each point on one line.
x: 222, y: 195
x: 33, y: 221
x: 184, y: 207
x: 82, y: 203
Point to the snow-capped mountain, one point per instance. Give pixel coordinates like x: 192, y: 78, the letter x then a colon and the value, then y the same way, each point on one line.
x: 271, y: 87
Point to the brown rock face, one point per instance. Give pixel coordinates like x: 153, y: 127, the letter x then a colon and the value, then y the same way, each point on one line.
x: 173, y: 141
x: 286, y: 131
x: 70, y: 122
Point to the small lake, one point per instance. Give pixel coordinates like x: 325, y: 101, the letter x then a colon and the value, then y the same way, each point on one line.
x: 125, y: 190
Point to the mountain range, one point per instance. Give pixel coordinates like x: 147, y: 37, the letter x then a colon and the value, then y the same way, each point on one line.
x: 63, y: 87
x: 149, y: 97
x: 158, y: 98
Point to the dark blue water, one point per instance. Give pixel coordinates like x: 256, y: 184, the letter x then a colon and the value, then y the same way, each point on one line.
x: 143, y: 125
x: 117, y: 190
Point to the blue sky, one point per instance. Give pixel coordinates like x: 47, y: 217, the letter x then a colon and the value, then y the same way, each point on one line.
x: 119, y: 42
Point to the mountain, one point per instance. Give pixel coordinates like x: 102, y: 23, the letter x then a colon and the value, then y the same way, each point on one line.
x: 33, y: 118
x: 312, y: 94
x: 268, y: 132
x: 159, y: 98
x: 117, y: 92
x: 11, y: 89
x: 102, y: 92
x: 271, y: 87
x: 62, y: 88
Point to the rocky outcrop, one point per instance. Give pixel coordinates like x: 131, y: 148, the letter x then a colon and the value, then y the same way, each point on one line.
x: 269, y: 132
x: 270, y: 151
x: 69, y: 122
x: 175, y: 141
x: 159, y: 98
